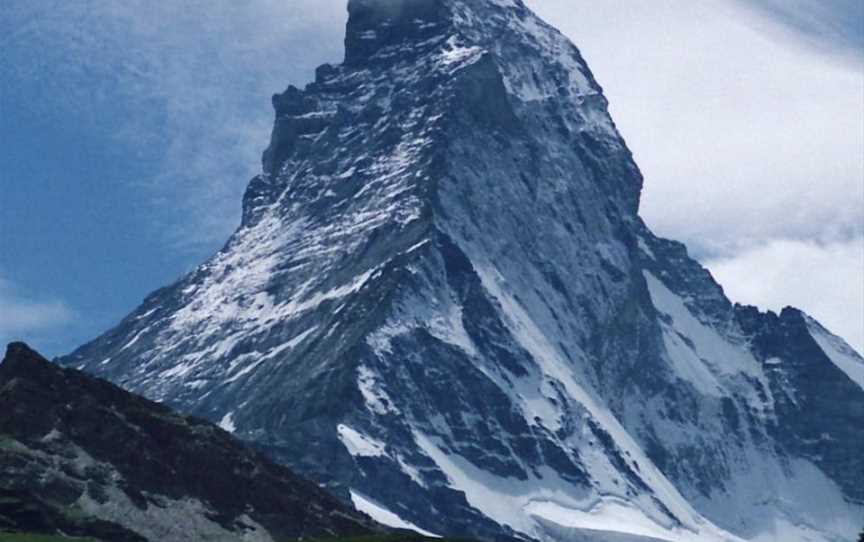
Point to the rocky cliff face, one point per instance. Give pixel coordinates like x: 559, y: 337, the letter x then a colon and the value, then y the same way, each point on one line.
x: 442, y: 302
x: 79, y: 456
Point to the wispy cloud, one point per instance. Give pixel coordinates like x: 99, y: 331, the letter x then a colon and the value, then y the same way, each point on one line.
x: 29, y: 318
x: 833, y: 26
x: 194, y: 79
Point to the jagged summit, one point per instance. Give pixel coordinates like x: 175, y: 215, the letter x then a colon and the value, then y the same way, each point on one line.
x: 376, y: 25
x: 442, y: 302
x: 494, y: 60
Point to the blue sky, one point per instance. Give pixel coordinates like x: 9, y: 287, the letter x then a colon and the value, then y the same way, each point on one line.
x: 130, y: 129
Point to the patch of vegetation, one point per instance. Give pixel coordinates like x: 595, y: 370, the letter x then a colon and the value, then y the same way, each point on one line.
x: 7, y: 442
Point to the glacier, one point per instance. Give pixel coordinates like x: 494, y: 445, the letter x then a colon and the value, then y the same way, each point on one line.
x: 442, y: 305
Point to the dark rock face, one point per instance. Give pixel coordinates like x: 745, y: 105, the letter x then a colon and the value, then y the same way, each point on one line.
x: 81, y: 456
x: 375, y: 25
x: 442, y: 299
x: 818, y: 407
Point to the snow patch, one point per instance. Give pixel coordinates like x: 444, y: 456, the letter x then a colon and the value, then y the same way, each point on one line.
x: 377, y: 400
x: 360, y: 445
x: 699, y: 354
x: 608, y: 514
x: 384, y: 516
x: 458, y: 54
x: 227, y: 422
x: 643, y: 246
x: 841, y: 354
x: 450, y: 328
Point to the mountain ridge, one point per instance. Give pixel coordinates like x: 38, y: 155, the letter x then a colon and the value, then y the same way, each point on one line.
x: 80, y: 456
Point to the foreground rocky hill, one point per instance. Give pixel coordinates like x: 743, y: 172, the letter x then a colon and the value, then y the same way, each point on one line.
x: 80, y: 456
x: 442, y: 304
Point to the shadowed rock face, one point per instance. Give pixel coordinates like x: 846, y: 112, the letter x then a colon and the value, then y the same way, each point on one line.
x: 442, y: 298
x: 81, y: 456
x: 376, y: 24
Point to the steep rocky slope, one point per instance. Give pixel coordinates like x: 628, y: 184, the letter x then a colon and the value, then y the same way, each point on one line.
x: 443, y: 304
x: 80, y: 456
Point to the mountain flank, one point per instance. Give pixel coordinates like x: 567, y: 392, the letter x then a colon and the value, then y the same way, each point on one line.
x: 80, y: 456
x: 442, y: 304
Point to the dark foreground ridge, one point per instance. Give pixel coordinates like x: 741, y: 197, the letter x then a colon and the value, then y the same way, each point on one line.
x: 82, y: 457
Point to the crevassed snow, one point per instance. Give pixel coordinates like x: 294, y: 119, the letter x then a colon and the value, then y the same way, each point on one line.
x: 841, y: 354
x: 384, y: 516
x: 358, y: 444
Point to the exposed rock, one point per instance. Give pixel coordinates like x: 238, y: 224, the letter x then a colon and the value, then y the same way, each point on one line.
x: 81, y: 456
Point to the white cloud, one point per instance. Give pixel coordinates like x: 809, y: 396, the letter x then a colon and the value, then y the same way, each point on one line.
x: 739, y: 133
x: 824, y: 278
x: 23, y: 317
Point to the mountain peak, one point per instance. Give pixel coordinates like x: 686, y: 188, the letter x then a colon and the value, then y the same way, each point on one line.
x: 17, y: 349
x: 23, y: 361
x: 376, y: 24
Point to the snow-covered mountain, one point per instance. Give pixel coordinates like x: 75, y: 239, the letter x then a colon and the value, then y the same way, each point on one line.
x: 442, y: 303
